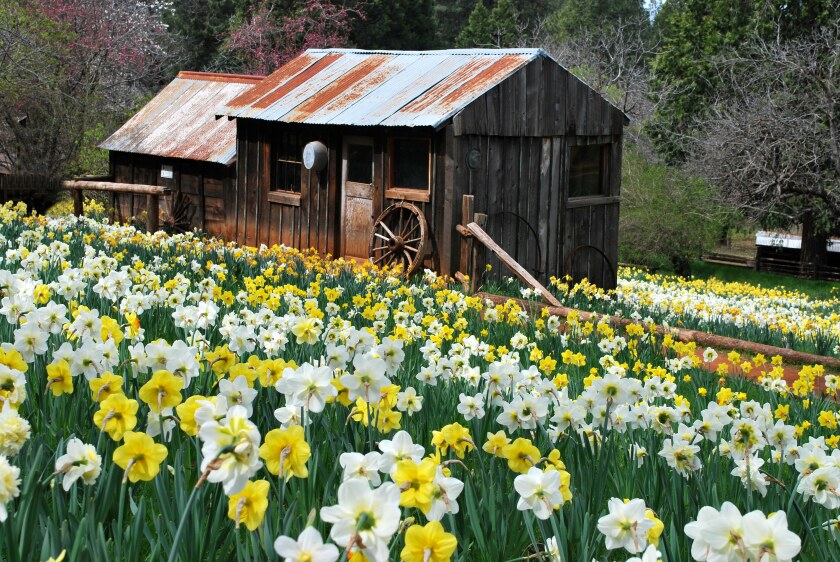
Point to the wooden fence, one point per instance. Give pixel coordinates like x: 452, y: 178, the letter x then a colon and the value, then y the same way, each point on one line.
x: 38, y: 192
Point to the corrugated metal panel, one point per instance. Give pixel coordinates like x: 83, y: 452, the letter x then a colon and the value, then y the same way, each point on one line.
x: 180, y: 122
x: 393, y: 88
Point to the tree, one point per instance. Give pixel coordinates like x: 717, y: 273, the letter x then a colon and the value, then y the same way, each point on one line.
x: 201, y: 26
x: 271, y: 36
x: 772, y: 142
x: 396, y: 25
x: 67, y: 67
x: 577, y: 18
x: 693, y: 34
x: 496, y: 28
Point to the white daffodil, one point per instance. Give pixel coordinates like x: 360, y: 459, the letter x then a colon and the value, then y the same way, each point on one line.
x: 309, y: 547
x: 364, y: 520
x: 409, y: 401
x: 768, y: 538
x: 367, y: 379
x: 444, y: 496
x: 80, y: 461
x: 539, y: 491
x: 399, y: 448
x: 748, y: 470
x: 238, y: 393
x: 724, y: 533
x: 307, y: 385
x: 230, y: 450
x: 626, y: 525
x: 471, y: 406
x: 357, y: 465
x: 9, y: 485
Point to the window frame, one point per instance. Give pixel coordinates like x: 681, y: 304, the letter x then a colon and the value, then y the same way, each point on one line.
x: 604, y: 192
x: 392, y: 191
x: 280, y: 153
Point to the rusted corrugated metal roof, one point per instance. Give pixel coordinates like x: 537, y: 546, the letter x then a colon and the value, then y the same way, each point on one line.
x: 392, y: 88
x: 180, y: 122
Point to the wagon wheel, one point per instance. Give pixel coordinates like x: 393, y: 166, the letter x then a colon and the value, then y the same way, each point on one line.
x: 400, y: 235
x: 181, y: 213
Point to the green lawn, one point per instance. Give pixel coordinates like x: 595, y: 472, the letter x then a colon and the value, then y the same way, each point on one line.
x: 812, y: 288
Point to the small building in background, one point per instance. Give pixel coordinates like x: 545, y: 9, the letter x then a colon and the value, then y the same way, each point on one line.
x: 176, y: 141
x: 336, y: 138
x: 781, y: 253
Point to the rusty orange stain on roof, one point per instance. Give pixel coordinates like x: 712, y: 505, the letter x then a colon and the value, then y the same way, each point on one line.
x: 394, y: 88
x: 341, y: 86
x: 180, y: 121
x: 295, y: 81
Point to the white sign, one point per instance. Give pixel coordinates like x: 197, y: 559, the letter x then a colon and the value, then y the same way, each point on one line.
x: 166, y: 172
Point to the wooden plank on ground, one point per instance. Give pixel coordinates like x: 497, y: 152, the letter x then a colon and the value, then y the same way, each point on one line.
x: 520, y: 272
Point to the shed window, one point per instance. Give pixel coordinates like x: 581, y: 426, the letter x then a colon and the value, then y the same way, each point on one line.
x: 587, y: 175
x: 288, y: 161
x: 410, y: 163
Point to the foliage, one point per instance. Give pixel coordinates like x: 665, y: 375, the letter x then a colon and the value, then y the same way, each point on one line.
x: 578, y: 18
x: 696, y: 32
x: 496, y: 28
x: 67, y: 65
x: 667, y: 217
x: 773, y: 143
x: 201, y: 26
x: 270, y: 36
x: 396, y: 25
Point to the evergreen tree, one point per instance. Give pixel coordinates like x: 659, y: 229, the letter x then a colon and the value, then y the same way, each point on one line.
x: 498, y: 27
x: 201, y: 26
x: 396, y: 25
x: 576, y: 17
x: 452, y: 17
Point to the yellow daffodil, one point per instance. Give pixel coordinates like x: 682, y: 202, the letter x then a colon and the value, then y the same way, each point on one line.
x: 139, y: 456
x: 521, y: 455
x: 116, y: 415
x: 104, y: 386
x: 285, y: 452
x: 428, y: 543
x: 59, y: 378
x: 249, y: 505
x: 416, y: 482
x: 163, y: 390
x: 495, y: 443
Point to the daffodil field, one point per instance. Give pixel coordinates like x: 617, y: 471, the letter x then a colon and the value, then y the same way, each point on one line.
x: 767, y: 315
x: 168, y: 397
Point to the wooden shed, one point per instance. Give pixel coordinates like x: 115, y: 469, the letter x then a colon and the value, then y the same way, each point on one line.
x: 335, y: 137
x: 176, y: 141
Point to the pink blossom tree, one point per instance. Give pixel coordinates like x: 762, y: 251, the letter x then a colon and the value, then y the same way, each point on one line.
x: 267, y: 38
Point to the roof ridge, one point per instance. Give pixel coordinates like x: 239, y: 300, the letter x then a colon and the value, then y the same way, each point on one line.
x: 219, y: 77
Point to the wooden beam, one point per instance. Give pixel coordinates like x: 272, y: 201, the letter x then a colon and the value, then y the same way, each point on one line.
x: 477, y: 259
x: 704, y: 339
x: 520, y: 272
x: 114, y: 187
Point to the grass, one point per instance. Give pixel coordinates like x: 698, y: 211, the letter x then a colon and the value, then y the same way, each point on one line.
x: 813, y: 288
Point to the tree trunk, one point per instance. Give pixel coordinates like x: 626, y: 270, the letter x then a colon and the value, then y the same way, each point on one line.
x: 812, y: 257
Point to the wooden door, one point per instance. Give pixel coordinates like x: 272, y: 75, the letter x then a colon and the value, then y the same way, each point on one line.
x: 357, y: 197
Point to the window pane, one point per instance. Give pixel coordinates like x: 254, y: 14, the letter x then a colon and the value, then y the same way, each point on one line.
x: 410, y: 161
x: 586, y: 170
x: 288, y: 152
x: 360, y: 163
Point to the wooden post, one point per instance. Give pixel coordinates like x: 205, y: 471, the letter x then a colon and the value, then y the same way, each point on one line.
x: 152, y: 209
x: 478, y: 256
x: 78, y: 202
x: 520, y: 272
x: 466, y: 242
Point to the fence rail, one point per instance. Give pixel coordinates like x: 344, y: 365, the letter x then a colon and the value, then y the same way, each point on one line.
x: 38, y: 192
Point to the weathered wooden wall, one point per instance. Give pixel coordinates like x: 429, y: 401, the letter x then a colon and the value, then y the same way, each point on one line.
x: 312, y: 219
x: 523, y: 130
x: 208, y: 186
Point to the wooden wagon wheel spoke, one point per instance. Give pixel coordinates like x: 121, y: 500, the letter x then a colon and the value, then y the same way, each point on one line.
x: 400, y: 236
